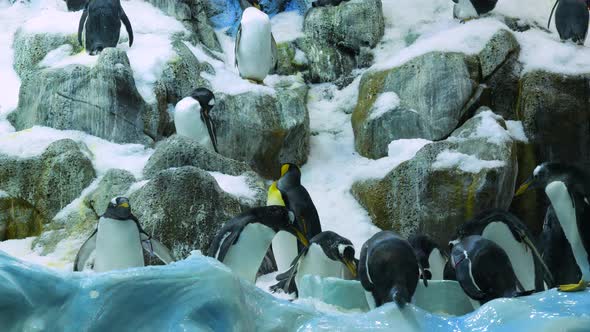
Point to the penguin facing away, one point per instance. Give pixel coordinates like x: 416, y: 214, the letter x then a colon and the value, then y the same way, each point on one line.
x: 571, y: 19
x: 75, y: 5
x: 242, y: 242
x: 192, y: 118
x: 469, y: 9
x: 118, y: 240
x: 430, y: 256
x: 568, y: 190
x: 100, y: 25
x: 284, y: 244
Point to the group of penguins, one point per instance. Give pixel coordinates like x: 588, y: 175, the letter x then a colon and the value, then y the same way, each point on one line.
x: 491, y: 256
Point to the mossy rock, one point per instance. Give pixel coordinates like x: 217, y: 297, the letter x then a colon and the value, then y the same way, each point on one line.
x: 18, y: 219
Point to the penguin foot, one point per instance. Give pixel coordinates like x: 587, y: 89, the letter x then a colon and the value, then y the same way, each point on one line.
x: 580, y: 286
x: 255, y: 81
x: 465, y: 20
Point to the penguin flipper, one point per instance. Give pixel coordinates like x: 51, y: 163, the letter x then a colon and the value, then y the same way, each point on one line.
x: 81, y: 24
x: 211, y: 130
x: 85, y: 251
x: 155, y: 247
x: 238, y: 39
x: 127, y: 24
x: 274, y: 52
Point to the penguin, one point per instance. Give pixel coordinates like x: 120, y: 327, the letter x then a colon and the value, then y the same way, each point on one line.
x: 328, y: 255
x: 284, y: 244
x: 469, y: 9
x: 432, y: 258
x: 192, y: 118
x: 568, y: 190
x: 484, y: 270
x: 117, y: 241
x: 75, y: 5
x: 100, y: 25
x: 242, y: 242
x: 571, y: 19
x: 255, y: 49
x: 508, y: 232
x: 324, y: 3
x: 389, y: 270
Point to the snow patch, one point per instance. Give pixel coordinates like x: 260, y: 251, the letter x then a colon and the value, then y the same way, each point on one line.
x: 516, y: 131
x: 234, y: 185
x: 452, y: 159
x: 386, y: 101
x: 287, y: 26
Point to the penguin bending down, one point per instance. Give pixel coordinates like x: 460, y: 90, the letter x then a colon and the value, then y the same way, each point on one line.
x: 284, y: 244
x: 388, y: 269
x: 571, y: 19
x: 242, y: 242
x: 255, y: 50
x: 118, y: 240
x: 430, y: 256
x: 328, y: 255
x: 469, y: 9
x: 192, y: 118
x: 100, y: 24
x: 510, y: 234
x: 568, y: 190
x: 483, y: 270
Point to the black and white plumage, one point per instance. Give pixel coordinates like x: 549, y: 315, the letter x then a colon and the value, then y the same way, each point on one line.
x: 388, y: 269
x: 468, y: 9
x: 118, y: 240
x: 568, y: 190
x: 243, y: 241
x: 100, y: 25
x: 508, y: 232
x: 75, y: 5
x: 571, y: 19
x: 431, y: 257
x: 192, y: 118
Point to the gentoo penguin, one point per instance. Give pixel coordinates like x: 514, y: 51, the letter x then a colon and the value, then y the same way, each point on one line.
x: 192, y: 118
x: 571, y: 19
x: 328, y: 255
x: 388, y: 269
x: 100, y: 25
x: 284, y: 244
x: 469, y: 9
x: 118, y: 240
x: 568, y: 190
x: 75, y: 5
x: 255, y: 50
x: 510, y: 234
x: 432, y: 258
x: 243, y: 241
x: 483, y: 270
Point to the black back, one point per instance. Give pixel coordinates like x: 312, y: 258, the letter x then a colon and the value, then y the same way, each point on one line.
x: 484, y: 6
x: 557, y: 251
x: 102, y: 21
x: 571, y: 20
x: 75, y: 5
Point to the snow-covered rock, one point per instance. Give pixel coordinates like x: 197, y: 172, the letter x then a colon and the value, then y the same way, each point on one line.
x: 115, y: 182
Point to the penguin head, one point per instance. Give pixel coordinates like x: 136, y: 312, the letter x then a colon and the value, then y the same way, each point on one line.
x: 206, y: 99
x: 255, y: 3
x: 549, y: 172
x: 290, y: 175
x: 119, y: 208
x: 337, y: 248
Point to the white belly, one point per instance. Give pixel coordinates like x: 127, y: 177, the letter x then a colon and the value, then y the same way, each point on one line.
x: 254, y: 54
x: 317, y: 263
x: 284, y: 247
x: 566, y: 214
x: 245, y: 257
x: 437, y: 264
x: 520, y: 256
x: 118, y: 245
x: 188, y: 123
x: 464, y: 10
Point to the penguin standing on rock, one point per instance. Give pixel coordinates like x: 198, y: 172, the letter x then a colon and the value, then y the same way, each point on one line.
x: 192, y: 118
x: 469, y: 9
x: 100, y: 25
x: 568, y: 190
x: 430, y: 256
x: 571, y: 19
x: 284, y: 244
x: 118, y: 240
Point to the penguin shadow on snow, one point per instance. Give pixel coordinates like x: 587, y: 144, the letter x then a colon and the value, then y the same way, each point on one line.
x: 100, y: 25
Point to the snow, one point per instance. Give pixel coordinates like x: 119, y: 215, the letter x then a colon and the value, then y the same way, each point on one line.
x: 287, y: 26
x: 471, y: 164
x: 386, y: 101
x: 62, y: 259
x: 516, y: 131
x: 62, y: 57
x: 490, y: 128
x: 234, y: 185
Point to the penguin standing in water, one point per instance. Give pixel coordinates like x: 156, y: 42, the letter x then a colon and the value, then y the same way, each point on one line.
x: 100, y: 25
x: 469, y: 9
x: 118, y: 240
x: 328, y: 255
x: 255, y: 50
x: 430, y: 256
x: 243, y: 241
x: 192, y: 118
x: 388, y: 269
x: 568, y: 190
x: 571, y: 19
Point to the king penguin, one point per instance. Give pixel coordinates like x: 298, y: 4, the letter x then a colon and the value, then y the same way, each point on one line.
x: 432, y: 258
x: 469, y: 9
x: 242, y: 242
x: 510, y: 234
x: 388, y: 270
x: 328, y: 255
x: 284, y: 244
x: 568, y: 190
x: 192, y: 118
x: 255, y: 50
x: 571, y: 19
x: 118, y: 240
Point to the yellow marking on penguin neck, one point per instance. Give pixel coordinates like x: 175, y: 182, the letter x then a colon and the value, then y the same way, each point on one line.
x: 274, y: 196
x: 284, y: 169
x: 580, y: 286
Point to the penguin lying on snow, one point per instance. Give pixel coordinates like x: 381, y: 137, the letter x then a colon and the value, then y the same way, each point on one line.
x: 430, y: 256
x: 328, y: 255
x: 100, y: 25
x: 468, y: 9
x: 117, y: 241
x: 388, y: 269
x: 243, y: 241
x: 192, y: 118
x: 568, y: 190
x: 571, y: 19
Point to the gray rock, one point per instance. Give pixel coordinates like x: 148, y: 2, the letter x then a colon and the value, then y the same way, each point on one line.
x: 101, y: 100
x: 326, y: 63
x: 434, y: 90
x: 426, y: 195
x: 291, y: 60
x: 183, y: 208
x: 497, y: 51
x: 18, y: 219
x: 114, y: 183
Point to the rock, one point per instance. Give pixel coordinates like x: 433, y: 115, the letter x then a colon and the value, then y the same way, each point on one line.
x: 183, y: 208
x: 433, y: 90
x: 291, y: 60
x: 326, y: 63
x: 101, y: 100
x: 178, y: 151
x: 447, y: 182
x: 116, y: 182
x: 497, y: 51
x: 18, y: 219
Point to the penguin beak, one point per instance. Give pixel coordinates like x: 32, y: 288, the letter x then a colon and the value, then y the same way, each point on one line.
x: 284, y: 169
x: 351, y: 266
x: 526, y: 186
x: 257, y: 6
x: 124, y: 205
x: 300, y: 236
